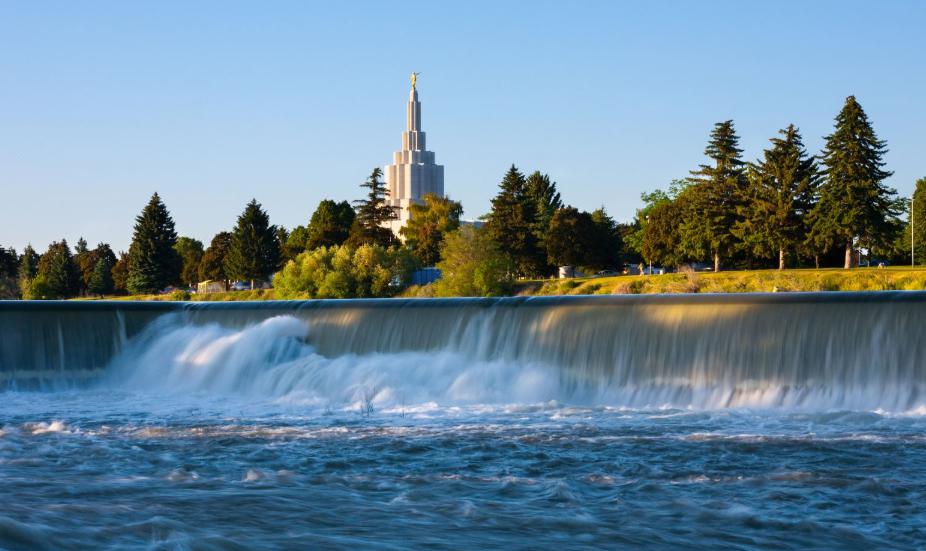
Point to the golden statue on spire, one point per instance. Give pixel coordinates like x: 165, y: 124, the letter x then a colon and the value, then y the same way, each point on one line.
x: 414, y: 79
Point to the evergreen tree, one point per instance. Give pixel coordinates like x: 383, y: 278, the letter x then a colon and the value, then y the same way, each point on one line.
x: 9, y: 264
x: 546, y: 199
x: 717, y: 191
x: 101, y: 282
x: 428, y: 225
x: 512, y: 222
x: 854, y: 205
x: 916, y: 226
x: 212, y: 266
x: 373, y: 214
x: 254, y: 252
x: 28, y: 268
x: 330, y: 224
x: 85, y: 262
x: 58, y: 272
x: 296, y: 242
x: 782, y: 190
x: 153, y: 263
x: 191, y: 256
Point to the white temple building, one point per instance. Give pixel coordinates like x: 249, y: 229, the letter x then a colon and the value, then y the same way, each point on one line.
x: 413, y: 172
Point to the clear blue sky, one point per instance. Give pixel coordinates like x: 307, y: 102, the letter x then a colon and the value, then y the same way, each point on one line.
x: 212, y: 103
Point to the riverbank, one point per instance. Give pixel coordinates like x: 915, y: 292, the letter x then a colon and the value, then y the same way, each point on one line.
x: 744, y: 281
x: 749, y: 281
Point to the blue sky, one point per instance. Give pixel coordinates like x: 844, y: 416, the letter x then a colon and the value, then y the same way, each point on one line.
x: 212, y: 103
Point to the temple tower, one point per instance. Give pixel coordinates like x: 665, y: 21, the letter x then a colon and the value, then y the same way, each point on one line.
x: 413, y: 172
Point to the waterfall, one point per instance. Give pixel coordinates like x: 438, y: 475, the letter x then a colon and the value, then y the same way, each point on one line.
x: 813, y: 350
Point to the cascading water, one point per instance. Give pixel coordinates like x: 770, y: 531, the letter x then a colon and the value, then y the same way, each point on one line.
x: 808, y: 351
x: 751, y: 421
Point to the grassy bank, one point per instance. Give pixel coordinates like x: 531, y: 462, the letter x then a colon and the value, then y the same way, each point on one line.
x: 752, y: 281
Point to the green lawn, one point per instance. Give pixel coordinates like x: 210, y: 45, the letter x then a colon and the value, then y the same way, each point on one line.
x: 747, y: 281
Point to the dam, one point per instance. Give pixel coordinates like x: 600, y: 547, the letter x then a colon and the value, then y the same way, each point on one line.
x: 588, y: 421
x: 855, y: 350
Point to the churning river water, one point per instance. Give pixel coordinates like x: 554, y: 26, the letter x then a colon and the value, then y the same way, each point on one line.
x: 716, y: 423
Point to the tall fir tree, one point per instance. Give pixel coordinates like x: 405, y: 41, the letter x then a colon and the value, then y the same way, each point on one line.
x: 28, y: 267
x: 717, y: 191
x: 254, y: 251
x: 58, y: 272
x: 153, y: 263
x: 915, y: 233
x: 542, y: 192
x: 782, y: 191
x: 512, y: 222
x: 101, y: 280
x: 855, y: 206
x: 372, y: 214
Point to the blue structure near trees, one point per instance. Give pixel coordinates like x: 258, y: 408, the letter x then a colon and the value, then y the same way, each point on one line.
x: 425, y: 276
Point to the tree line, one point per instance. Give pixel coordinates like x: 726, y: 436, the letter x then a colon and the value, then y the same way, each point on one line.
x: 787, y: 207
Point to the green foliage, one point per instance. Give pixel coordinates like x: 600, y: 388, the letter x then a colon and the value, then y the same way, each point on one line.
x: 120, y: 274
x: 254, y: 251
x: 854, y: 203
x: 541, y: 191
x: 716, y: 195
x: 9, y: 265
x: 512, y: 224
x: 57, y: 272
x: 153, y: 263
x: 635, y: 235
x: 605, y: 244
x: 191, y: 256
x: 472, y: 265
x: 372, y: 214
x: 294, y: 243
x: 782, y: 191
x: 330, y: 224
x: 660, y: 240
x: 345, y: 272
x: 569, y: 238
x: 180, y: 295
x: 212, y: 266
x: 429, y: 223
x: 917, y: 217
x: 101, y: 280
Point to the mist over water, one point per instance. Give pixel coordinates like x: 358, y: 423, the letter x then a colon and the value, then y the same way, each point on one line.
x: 795, y: 422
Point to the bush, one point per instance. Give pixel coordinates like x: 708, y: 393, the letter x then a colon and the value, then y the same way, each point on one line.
x: 180, y: 295
x: 345, y: 272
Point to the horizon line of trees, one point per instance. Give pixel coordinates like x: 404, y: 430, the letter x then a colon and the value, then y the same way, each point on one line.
x: 787, y: 207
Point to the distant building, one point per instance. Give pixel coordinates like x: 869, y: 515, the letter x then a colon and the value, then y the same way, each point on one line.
x: 210, y: 286
x: 413, y: 172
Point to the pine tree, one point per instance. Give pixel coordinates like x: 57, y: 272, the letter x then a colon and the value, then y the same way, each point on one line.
x: 717, y: 192
x: 254, y: 251
x: 782, y: 190
x: 101, y: 281
x: 855, y: 205
x: 28, y: 265
x: 153, y: 263
x: 369, y: 227
x: 916, y: 226
x: 58, y: 271
x: 512, y: 222
x: 330, y: 224
x: 542, y: 192
x: 429, y: 223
